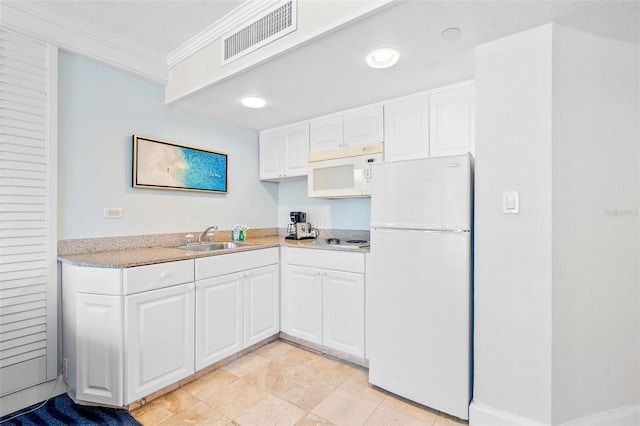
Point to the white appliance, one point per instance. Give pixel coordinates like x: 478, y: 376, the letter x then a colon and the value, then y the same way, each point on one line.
x: 419, y: 291
x: 344, y: 172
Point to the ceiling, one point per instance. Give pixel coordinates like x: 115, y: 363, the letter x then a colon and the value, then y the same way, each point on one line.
x: 329, y: 73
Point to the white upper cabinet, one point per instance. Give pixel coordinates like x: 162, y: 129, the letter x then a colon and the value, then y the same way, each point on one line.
x: 360, y: 127
x: 363, y: 126
x: 326, y: 134
x: 406, y: 129
x: 284, y: 152
x: 430, y: 125
x: 434, y: 123
x: 452, y: 121
x: 271, y: 159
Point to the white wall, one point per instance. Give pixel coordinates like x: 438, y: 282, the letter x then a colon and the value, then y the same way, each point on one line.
x: 99, y: 109
x: 348, y: 213
x: 595, y: 225
x: 512, y: 355
x: 556, y: 287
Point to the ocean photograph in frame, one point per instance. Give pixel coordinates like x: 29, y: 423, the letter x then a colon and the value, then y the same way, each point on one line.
x: 161, y: 164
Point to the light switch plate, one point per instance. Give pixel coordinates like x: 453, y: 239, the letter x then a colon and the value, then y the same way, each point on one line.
x: 510, y: 202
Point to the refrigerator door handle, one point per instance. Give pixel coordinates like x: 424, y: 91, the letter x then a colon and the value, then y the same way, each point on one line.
x: 426, y: 230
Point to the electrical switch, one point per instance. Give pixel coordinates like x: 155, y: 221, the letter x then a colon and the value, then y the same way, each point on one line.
x: 510, y: 202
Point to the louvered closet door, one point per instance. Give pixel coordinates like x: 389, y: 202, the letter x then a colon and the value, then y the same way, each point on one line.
x: 28, y: 305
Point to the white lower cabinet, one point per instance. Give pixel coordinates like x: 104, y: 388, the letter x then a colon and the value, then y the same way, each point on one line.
x: 130, y: 332
x: 99, y: 369
x: 126, y: 332
x: 303, y: 303
x: 238, y: 303
x: 159, y: 339
x: 219, y: 318
x: 343, y: 311
x: 323, y: 298
x: 261, y: 304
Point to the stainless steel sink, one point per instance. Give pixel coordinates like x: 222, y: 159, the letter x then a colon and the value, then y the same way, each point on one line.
x: 212, y: 246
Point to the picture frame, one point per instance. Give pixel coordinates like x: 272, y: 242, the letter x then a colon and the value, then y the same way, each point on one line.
x: 161, y: 164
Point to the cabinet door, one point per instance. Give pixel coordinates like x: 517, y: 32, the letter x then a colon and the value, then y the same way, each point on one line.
x: 296, y: 150
x: 159, y: 346
x: 326, y: 134
x: 219, y: 304
x: 304, y: 303
x: 343, y: 312
x: 99, y: 349
x: 363, y: 127
x: 261, y: 304
x: 406, y: 130
x: 452, y: 122
x: 271, y: 148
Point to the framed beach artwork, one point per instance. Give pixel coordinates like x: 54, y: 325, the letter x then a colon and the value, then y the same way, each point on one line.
x: 161, y: 164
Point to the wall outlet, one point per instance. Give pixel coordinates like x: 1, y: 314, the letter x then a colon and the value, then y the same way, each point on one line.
x: 317, y: 223
x: 113, y: 212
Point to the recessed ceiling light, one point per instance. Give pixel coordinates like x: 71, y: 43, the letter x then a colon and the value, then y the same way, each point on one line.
x: 253, y: 102
x: 382, y: 58
x: 450, y: 33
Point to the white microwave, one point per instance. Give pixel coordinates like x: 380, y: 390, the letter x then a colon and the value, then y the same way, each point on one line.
x: 344, y: 172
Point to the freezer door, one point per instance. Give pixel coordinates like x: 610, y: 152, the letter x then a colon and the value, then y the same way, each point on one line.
x: 418, y: 317
x: 432, y: 193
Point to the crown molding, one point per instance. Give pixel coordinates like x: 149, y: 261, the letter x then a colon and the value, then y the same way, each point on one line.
x: 47, y: 25
x: 246, y: 12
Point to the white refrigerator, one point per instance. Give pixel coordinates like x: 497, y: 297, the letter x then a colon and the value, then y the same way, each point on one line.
x: 419, y: 284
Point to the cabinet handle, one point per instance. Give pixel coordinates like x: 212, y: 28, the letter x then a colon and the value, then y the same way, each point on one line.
x: 318, y: 273
x: 164, y: 275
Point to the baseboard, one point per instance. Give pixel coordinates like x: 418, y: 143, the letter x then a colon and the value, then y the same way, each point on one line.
x: 484, y: 415
x: 24, y: 398
x: 325, y: 350
x: 626, y: 416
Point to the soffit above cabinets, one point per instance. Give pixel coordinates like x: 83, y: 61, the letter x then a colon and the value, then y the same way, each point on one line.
x: 330, y: 74
x: 325, y: 72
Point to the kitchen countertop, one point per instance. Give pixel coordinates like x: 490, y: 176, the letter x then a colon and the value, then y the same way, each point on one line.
x: 128, y: 258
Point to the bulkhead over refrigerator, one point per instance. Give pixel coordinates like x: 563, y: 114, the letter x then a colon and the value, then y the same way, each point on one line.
x: 419, y: 288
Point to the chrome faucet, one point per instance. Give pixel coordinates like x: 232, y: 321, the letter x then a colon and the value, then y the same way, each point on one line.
x: 206, y: 232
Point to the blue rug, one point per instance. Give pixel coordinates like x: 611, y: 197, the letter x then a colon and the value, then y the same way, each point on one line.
x: 62, y: 411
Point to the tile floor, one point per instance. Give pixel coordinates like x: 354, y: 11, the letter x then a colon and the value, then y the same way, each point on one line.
x: 282, y: 384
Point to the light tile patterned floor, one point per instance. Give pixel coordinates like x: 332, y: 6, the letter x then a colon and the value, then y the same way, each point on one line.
x: 282, y: 384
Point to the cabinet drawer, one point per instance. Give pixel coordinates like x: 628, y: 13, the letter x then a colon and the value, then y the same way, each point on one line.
x: 152, y: 277
x: 214, y: 266
x: 327, y: 259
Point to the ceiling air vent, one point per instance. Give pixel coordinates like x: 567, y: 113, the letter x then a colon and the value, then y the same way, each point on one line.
x: 273, y: 24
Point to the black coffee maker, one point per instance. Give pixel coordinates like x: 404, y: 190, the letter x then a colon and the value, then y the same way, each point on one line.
x: 299, y: 229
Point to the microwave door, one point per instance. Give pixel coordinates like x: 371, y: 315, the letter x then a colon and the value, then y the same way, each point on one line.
x: 334, y: 178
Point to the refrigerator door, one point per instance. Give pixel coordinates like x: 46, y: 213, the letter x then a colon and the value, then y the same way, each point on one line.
x: 418, y: 317
x: 433, y: 193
